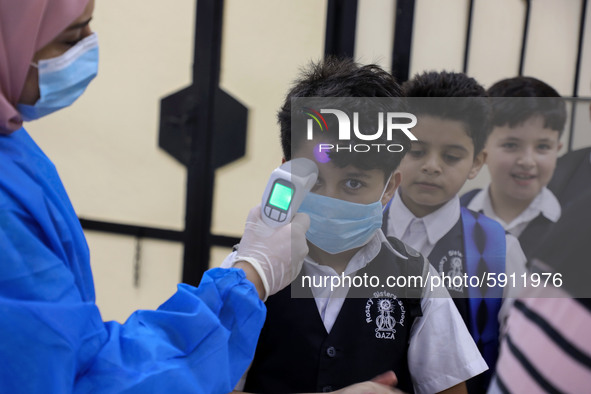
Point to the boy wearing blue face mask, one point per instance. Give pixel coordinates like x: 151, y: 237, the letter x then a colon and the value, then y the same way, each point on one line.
x: 340, y: 335
x: 452, y: 124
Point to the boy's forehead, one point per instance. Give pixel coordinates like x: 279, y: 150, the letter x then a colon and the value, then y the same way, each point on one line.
x: 433, y: 123
x: 432, y: 129
x: 311, y: 150
x: 532, y: 128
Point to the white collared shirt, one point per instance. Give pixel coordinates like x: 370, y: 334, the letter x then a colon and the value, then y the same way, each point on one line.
x: 441, y: 351
x: 545, y: 203
x: 404, y: 225
x: 329, y: 303
x: 421, y: 233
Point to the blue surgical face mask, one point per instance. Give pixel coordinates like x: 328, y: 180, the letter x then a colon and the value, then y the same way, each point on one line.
x: 64, y: 78
x: 338, y: 225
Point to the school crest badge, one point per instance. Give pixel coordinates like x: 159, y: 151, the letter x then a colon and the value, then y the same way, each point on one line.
x: 452, y: 265
x: 385, y: 311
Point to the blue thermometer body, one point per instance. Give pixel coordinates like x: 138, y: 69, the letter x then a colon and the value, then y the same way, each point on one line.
x: 286, y: 189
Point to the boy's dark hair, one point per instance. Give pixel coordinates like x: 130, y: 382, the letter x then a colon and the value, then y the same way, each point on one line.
x: 344, y: 78
x: 538, y: 99
x: 469, y: 105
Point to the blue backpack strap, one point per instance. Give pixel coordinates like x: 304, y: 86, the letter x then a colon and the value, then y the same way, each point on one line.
x: 484, y: 243
x: 468, y: 196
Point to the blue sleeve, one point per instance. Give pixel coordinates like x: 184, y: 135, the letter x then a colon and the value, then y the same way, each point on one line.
x: 53, y: 341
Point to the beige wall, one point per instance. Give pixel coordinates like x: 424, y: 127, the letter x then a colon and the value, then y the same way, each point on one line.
x: 105, y: 146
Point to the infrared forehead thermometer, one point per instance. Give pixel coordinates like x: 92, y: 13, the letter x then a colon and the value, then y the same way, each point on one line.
x: 286, y: 189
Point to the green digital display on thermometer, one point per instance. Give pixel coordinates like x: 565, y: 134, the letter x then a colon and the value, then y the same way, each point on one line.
x: 286, y: 189
x: 281, y: 196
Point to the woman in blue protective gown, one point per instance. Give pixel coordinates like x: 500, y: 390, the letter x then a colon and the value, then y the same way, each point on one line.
x: 53, y: 339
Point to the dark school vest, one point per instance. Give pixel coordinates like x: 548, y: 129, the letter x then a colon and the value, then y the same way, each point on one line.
x: 572, y: 177
x: 475, y: 246
x: 532, y: 234
x: 370, y: 336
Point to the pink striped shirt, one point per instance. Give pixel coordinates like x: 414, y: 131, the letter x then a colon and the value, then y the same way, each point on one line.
x: 547, y: 346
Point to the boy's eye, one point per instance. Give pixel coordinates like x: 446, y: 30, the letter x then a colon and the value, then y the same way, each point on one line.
x: 353, y: 184
x: 451, y: 158
x: 544, y: 147
x: 509, y: 145
x: 416, y: 153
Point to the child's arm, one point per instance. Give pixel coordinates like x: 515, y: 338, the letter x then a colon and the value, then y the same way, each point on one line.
x: 367, y: 387
x: 442, y: 354
x: 457, y: 389
x: 515, y: 264
x: 515, y: 267
x: 364, y: 387
x: 383, y: 383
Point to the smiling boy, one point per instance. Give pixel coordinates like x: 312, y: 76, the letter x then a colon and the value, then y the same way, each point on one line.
x: 336, y: 337
x: 522, y: 149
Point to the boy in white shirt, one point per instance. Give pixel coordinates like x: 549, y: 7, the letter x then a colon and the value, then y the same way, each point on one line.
x: 521, y: 152
x: 326, y: 341
x: 452, y: 112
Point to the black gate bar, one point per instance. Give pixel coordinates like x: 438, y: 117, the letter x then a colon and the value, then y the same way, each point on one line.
x: 468, y: 36
x: 405, y: 10
x: 573, y: 113
x: 524, y: 36
x: 161, y: 234
x: 341, y: 22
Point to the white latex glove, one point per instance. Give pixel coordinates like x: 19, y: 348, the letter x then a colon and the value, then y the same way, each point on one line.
x: 277, y: 254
